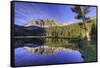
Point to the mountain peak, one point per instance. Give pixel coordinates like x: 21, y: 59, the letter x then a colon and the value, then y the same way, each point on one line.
x: 43, y: 23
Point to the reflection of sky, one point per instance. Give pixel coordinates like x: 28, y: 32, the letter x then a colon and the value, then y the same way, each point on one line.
x: 62, y: 56
x: 26, y: 12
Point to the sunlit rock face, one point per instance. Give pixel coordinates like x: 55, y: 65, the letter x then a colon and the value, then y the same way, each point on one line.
x: 43, y: 23
x: 44, y: 49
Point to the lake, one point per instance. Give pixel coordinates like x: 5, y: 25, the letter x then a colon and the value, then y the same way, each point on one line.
x: 24, y: 57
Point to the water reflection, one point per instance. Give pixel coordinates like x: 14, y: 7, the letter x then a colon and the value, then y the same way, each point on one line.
x: 27, y: 58
x: 56, y: 42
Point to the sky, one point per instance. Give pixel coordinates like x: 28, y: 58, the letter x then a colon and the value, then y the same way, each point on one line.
x: 27, y: 12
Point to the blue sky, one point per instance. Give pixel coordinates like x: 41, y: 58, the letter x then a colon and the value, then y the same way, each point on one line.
x: 26, y: 12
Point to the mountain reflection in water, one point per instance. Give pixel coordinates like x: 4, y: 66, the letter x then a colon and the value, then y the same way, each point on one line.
x: 24, y: 57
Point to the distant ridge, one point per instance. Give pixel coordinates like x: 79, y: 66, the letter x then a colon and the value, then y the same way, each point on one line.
x: 43, y: 23
x: 49, y: 22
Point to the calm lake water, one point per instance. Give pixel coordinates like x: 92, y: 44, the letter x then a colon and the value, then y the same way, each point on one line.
x: 23, y: 57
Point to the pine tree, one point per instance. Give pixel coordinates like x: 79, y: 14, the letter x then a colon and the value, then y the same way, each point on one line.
x: 81, y: 12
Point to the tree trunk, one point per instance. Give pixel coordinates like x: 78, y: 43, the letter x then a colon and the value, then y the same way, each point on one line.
x: 87, y: 33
